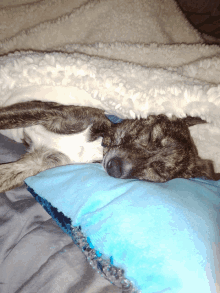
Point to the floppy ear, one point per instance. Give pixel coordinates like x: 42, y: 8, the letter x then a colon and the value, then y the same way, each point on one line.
x: 100, y: 128
x: 190, y: 121
x: 202, y: 169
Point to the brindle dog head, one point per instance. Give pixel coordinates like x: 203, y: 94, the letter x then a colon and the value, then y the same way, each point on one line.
x: 155, y: 149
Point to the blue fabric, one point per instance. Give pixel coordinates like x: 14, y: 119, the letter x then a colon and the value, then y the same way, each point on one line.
x: 114, y: 119
x: 160, y: 233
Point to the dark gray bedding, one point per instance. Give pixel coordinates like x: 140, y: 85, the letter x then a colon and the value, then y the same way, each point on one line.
x: 35, y: 254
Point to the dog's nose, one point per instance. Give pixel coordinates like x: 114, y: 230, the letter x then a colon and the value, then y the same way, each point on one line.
x: 114, y: 167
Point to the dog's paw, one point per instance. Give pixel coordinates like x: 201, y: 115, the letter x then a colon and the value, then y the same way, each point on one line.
x: 11, y: 176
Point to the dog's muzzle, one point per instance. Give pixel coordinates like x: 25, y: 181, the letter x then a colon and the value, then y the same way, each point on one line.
x: 114, y: 167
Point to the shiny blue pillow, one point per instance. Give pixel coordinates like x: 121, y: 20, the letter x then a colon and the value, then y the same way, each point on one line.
x: 161, y: 234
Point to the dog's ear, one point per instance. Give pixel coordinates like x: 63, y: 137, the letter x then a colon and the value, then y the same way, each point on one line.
x: 100, y: 129
x: 190, y: 121
x: 202, y: 169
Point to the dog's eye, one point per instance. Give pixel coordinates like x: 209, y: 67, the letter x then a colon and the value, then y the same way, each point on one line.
x: 145, y: 140
x: 152, y: 138
x: 106, y: 142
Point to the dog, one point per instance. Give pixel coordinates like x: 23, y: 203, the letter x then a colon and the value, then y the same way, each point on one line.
x: 155, y: 149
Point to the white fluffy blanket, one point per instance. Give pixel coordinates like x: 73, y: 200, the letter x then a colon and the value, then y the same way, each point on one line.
x: 131, y: 58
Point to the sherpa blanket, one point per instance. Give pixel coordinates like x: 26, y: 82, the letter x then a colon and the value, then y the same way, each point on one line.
x: 131, y: 58
x: 126, y: 57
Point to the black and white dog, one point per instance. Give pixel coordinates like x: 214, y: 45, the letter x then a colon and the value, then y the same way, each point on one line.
x: 155, y: 149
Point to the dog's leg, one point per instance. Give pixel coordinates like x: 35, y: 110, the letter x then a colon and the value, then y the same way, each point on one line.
x: 54, y: 117
x: 13, y: 174
x: 62, y: 119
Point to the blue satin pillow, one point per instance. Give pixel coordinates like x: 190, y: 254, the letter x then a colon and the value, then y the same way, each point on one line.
x: 161, y: 234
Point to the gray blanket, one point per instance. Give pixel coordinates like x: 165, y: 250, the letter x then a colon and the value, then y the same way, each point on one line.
x: 35, y: 254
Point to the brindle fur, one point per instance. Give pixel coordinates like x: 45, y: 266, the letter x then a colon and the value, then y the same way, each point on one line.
x: 54, y: 117
x: 153, y: 149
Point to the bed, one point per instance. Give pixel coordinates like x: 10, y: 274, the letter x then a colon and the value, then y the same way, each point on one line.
x: 74, y: 228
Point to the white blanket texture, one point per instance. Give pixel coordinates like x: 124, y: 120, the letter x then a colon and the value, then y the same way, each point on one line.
x: 131, y: 58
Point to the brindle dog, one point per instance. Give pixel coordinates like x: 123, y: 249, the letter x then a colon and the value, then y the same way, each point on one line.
x: 155, y: 149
